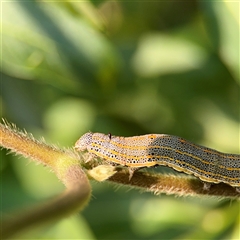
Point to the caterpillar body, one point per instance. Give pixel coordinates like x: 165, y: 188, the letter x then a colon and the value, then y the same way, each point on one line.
x: 209, y: 165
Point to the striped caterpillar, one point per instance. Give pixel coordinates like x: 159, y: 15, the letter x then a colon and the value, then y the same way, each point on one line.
x: 150, y: 150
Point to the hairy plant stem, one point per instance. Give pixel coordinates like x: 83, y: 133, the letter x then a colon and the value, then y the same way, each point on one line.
x: 173, y: 184
x: 66, y: 165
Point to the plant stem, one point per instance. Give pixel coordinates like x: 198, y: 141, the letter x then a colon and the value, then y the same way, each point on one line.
x: 173, y: 184
x: 67, y: 166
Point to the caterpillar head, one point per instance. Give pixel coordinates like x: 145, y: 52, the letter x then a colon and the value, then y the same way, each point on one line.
x: 83, y: 142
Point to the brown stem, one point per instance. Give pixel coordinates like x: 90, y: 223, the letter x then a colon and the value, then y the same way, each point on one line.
x: 173, y: 184
x: 66, y: 165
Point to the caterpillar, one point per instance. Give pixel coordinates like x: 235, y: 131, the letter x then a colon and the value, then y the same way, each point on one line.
x: 136, y: 152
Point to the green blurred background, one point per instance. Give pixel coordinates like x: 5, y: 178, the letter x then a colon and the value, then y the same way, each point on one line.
x: 129, y: 68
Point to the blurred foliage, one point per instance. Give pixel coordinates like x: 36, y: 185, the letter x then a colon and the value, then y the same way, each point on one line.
x: 128, y: 68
